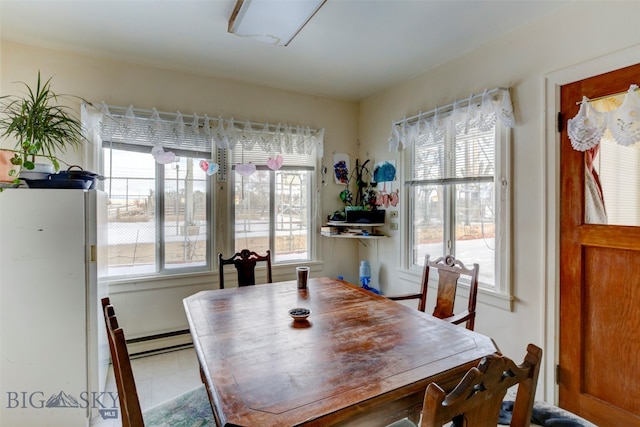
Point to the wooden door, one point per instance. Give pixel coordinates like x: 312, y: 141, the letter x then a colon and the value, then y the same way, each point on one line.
x: 599, y: 372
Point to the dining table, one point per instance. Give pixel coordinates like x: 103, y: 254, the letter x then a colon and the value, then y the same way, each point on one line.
x: 359, y: 359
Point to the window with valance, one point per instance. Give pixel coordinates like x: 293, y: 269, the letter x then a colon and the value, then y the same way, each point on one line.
x: 457, y: 183
x: 160, y: 168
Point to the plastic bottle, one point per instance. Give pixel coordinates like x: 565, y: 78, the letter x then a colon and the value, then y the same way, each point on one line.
x: 365, y: 273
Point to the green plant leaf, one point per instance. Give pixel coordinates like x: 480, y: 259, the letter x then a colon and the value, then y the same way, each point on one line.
x: 39, y: 124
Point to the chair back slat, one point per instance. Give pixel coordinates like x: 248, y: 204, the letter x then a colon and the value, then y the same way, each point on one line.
x: 245, y: 263
x: 449, y: 271
x: 447, y: 287
x: 130, y: 410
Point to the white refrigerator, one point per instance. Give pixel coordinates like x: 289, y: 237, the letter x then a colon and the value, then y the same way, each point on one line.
x: 54, y: 353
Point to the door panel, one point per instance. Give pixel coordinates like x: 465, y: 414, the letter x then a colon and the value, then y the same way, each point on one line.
x: 599, y: 376
x: 610, y: 349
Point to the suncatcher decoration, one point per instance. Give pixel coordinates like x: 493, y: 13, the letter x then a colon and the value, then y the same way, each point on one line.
x: 366, y: 179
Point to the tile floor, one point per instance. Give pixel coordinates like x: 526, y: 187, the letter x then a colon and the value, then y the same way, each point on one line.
x: 158, y: 378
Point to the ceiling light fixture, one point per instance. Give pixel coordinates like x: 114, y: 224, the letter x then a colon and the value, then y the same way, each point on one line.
x: 272, y: 21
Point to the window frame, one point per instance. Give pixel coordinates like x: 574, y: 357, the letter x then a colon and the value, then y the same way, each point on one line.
x: 142, y: 130
x: 312, y: 221
x: 503, y: 222
x: 159, y: 222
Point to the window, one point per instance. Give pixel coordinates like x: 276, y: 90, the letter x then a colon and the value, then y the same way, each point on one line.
x: 272, y: 209
x: 458, y: 200
x: 160, y: 170
x: 158, y: 213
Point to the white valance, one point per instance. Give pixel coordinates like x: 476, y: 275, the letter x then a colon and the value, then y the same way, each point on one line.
x: 587, y: 128
x: 479, y: 110
x: 204, y: 133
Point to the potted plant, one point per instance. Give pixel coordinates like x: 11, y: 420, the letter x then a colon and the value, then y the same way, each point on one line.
x: 363, y: 206
x: 40, y: 126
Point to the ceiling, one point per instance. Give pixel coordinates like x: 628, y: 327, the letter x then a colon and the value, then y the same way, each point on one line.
x: 349, y: 50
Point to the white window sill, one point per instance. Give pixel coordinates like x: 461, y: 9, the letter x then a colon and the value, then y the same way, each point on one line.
x: 280, y: 272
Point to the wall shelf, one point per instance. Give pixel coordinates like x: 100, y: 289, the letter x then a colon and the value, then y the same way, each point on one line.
x: 343, y: 227
x: 354, y: 224
x: 356, y: 236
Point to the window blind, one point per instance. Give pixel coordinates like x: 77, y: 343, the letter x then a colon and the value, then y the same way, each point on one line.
x: 259, y: 158
x: 464, y: 158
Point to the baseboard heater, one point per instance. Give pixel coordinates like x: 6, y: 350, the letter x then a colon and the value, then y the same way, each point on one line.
x: 159, y: 343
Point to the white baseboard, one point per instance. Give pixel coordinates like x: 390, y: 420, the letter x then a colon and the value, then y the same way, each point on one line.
x: 158, y: 344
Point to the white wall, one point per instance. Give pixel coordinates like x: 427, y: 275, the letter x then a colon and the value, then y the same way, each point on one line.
x: 520, y: 60
x: 149, y: 307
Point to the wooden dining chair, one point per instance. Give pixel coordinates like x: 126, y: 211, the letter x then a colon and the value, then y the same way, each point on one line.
x: 245, y: 262
x: 449, y: 271
x: 190, y: 408
x: 477, y: 399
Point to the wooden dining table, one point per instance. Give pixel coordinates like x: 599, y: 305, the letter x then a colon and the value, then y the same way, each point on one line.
x: 359, y: 359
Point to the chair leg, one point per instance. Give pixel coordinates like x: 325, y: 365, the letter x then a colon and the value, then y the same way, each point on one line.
x: 202, y: 377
